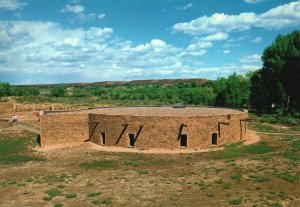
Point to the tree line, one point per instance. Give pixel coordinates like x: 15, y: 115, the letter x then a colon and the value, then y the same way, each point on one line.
x: 229, y: 92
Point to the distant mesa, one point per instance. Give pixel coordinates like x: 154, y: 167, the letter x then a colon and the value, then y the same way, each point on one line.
x: 161, y: 82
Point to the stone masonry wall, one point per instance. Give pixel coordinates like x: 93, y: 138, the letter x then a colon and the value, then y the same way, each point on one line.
x: 163, y: 132
x: 6, y: 108
x: 63, y: 128
x: 149, y: 131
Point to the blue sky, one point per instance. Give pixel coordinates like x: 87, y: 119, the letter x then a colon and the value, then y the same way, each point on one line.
x: 56, y: 41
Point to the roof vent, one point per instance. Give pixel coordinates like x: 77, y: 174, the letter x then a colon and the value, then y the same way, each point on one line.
x: 179, y: 106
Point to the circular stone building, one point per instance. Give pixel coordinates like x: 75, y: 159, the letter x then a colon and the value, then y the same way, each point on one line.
x: 146, y: 127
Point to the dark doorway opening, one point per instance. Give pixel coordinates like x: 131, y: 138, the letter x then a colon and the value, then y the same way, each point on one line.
x: 183, y: 140
x: 38, y: 139
x: 214, y: 138
x: 131, y: 140
x: 103, y: 136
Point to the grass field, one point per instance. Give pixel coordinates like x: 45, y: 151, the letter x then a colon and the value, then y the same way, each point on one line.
x: 263, y: 174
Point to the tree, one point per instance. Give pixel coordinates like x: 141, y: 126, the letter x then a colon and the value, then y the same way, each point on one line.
x: 5, y: 89
x: 33, y: 91
x: 25, y: 91
x: 258, y: 98
x: 279, y: 78
x: 219, y: 87
x: 58, y: 91
x: 79, y: 92
x: 233, y: 91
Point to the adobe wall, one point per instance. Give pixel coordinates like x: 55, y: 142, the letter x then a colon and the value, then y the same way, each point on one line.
x: 6, y: 107
x: 63, y: 128
x: 41, y: 107
x: 163, y: 132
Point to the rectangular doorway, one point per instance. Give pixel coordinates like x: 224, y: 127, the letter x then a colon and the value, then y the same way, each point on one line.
x: 131, y: 140
x: 183, y: 140
x: 214, y: 138
x: 103, y: 138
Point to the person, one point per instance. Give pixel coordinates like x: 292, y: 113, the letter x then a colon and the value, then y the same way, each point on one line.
x: 15, y: 119
x: 40, y: 114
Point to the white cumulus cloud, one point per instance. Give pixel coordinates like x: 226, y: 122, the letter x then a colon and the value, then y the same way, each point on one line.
x: 80, y: 15
x: 101, y: 16
x: 250, y: 67
x: 251, y: 59
x: 185, y: 7
x: 11, y: 4
x: 283, y: 16
x: 158, y: 43
x: 76, y: 9
x: 216, y: 37
x: 256, y: 40
x: 253, y: 1
x: 194, y: 50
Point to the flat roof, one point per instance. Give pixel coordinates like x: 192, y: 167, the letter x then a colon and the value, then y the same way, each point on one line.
x: 163, y: 111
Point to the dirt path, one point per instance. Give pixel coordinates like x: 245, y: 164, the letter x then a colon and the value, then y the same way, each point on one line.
x: 277, y: 133
x: 28, y: 128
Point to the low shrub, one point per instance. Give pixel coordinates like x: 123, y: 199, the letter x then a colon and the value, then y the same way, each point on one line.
x: 93, y: 194
x: 235, y: 202
x: 101, y: 164
x: 72, y: 195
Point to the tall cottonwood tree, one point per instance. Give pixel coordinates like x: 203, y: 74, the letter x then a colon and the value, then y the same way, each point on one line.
x: 278, y: 82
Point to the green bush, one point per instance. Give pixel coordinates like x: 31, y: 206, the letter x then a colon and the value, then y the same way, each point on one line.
x: 292, y: 155
x: 288, y: 119
x: 47, y: 198
x: 53, y: 193
x: 235, y: 202
x: 93, y: 194
x: 235, y: 177
x: 106, y: 201
x: 80, y: 92
x: 289, y: 177
x: 72, y: 195
x: 260, y: 179
x: 58, y: 91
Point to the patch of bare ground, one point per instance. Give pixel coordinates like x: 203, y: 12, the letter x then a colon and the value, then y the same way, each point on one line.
x: 83, y: 175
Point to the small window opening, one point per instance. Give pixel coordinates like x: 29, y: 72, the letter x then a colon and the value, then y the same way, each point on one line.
x: 103, y: 136
x: 214, y: 138
x: 131, y: 140
x: 183, y: 140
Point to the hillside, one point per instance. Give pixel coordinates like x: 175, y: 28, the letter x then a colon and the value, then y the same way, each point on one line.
x: 165, y: 82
